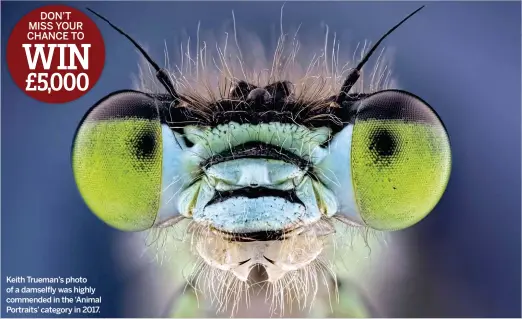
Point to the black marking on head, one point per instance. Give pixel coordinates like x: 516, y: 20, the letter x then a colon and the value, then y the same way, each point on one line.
x: 250, y: 104
x: 267, y: 235
x: 244, y: 261
x: 144, y: 148
x: 145, y: 145
x: 257, y: 150
x: 383, y: 146
x: 252, y: 110
x: 255, y: 192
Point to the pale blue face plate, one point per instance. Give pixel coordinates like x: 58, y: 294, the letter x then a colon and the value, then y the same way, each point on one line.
x: 198, y: 192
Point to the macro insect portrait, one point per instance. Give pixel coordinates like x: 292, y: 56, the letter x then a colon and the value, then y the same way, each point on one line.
x: 260, y: 170
x: 261, y: 159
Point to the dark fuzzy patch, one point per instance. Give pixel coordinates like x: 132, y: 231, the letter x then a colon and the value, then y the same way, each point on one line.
x: 257, y: 150
x: 247, y: 103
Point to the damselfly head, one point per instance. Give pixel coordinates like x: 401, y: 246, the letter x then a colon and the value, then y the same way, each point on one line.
x: 262, y: 170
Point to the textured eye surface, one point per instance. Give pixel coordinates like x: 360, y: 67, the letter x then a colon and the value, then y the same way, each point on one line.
x: 117, y: 160
x: 401, y: 160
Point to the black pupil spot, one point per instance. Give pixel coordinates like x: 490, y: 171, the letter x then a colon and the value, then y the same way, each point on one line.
x: 383, y: 146
x: 145, y: 145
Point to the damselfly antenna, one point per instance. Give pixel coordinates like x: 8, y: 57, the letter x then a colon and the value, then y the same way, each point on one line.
x: 354, y: 75
x: 161, y: 74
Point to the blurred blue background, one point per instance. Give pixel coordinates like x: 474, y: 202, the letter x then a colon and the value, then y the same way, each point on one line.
x: 462, y: 57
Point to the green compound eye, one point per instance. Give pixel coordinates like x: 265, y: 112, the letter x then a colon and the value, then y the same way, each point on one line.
x: 117, y: 160
x: 401, y: 160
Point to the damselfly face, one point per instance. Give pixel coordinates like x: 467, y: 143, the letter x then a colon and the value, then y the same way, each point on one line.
x: 262, y: 171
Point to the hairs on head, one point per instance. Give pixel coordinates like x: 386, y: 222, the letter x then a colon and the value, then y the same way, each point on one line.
x: 205, y: 74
